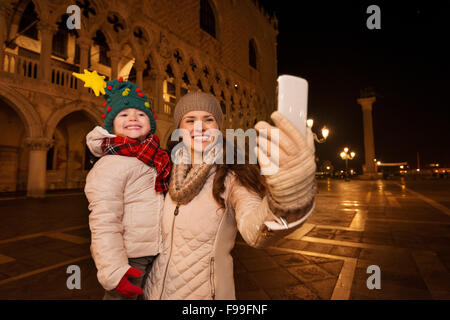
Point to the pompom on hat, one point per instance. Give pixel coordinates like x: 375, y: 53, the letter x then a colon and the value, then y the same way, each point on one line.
x: 197, y: 101
x: 119, y: 95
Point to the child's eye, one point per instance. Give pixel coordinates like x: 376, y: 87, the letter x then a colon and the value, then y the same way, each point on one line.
x: 123, y: 115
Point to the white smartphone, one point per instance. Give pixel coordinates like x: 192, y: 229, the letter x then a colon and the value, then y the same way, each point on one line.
x: 293, y: 100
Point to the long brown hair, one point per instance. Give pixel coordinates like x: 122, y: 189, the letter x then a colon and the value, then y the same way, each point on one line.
x: 248, y: 175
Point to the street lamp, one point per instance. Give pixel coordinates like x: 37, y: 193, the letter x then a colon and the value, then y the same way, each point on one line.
x: 325, y: 132
x: 347, y: 156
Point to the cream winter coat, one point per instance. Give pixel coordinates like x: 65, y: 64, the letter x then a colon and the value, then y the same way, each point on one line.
x: 125, y: 212
x: 195, y: 262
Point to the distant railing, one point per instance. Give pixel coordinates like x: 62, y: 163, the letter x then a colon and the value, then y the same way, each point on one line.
x: 22, y: 66
x: 63, y: 78
x: 168, y: 107
x: 28, y: 67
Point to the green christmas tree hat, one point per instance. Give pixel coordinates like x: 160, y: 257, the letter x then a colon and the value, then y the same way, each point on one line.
x: 119, y: 95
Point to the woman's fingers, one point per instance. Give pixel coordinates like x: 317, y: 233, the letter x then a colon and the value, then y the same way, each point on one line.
x: 272, y: 151
x: 288, y: 128
x: 265, y: 163
x: 273, y: 133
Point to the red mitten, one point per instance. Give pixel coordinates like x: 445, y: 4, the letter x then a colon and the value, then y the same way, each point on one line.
x: 125, y: 287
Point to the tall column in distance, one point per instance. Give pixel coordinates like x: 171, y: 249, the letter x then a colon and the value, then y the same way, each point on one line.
x: 369, y: 145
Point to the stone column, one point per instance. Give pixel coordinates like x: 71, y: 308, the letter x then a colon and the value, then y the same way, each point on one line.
x: 369, y: 145
x: 84, y: 44
x: 47, y: 31
x: 157, y: 80
x: 37, y: 166
x: 3, y: 34
x: 115, y: 58
x: 139, y: 66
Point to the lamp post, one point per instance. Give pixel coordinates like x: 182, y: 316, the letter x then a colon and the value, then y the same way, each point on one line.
x: 345, y: 155
x: 325, y: 132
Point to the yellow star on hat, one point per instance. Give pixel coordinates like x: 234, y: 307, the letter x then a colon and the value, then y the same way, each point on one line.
x: 92, y: 80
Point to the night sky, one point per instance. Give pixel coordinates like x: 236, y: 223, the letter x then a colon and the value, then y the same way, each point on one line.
x: 406, y: 62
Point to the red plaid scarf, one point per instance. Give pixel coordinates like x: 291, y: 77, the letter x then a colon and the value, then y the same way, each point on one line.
x: 148, y: 151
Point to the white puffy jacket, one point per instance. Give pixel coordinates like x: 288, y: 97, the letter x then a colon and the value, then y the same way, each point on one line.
x: 125, y: 218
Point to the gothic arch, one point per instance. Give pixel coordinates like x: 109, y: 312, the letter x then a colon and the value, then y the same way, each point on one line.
x: 218, y: 18
x: 39, y: 7
x: 93, y: 113
x: 26, y: 111
x: 146, y: 37
x: 155, y: 62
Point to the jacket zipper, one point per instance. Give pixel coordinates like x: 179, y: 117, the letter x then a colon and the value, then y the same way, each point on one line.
x: 175, y: 213
x: 211, y: 278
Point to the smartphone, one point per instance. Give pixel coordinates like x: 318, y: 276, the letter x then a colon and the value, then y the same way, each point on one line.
x: 293, y: 100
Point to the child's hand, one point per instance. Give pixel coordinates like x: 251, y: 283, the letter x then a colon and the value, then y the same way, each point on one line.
x: 125, y: 287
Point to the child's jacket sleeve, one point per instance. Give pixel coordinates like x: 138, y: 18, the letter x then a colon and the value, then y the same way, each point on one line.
x: 104, y: 190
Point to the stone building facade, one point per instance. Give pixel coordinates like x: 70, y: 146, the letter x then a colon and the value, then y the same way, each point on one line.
x: 167, y: 47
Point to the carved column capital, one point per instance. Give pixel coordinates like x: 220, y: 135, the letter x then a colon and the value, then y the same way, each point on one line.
x: 114, y: 55
x: 46, y: 27
x: 366, y: 103
x: 84, y: 43
x: 39, y: 143
x: 139, y: 65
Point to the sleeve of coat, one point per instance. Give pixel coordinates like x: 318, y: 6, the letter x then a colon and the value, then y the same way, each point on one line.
x: 257, y: 224
x: 104, y: 190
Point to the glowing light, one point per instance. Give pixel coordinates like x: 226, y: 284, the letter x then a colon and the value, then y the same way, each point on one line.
x: 345, y: 149
x: 309, y: 123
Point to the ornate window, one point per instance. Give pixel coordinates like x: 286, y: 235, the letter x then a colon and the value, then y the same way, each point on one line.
x: 169, y: 91
x: 223, y: 106
x: 103, y: 48
x: 207, y: 18
x: 28, y: 22
x: 184, y: 84
x: 60, y: 39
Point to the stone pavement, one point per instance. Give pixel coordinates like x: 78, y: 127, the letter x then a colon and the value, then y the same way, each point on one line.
x: 400, y: 226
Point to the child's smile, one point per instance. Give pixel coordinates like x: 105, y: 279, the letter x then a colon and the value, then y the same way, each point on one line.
x: 132, y: 123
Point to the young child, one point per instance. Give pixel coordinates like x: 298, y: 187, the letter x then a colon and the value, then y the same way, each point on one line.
x: 125, y: 193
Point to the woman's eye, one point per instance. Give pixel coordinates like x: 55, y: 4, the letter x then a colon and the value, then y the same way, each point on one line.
x: 189, y: 121
x: 209, y: 120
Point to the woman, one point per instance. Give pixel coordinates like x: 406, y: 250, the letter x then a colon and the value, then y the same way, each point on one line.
x: 208, y: 203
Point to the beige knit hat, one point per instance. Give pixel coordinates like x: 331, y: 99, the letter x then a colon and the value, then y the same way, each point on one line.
x: 197, y: 101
